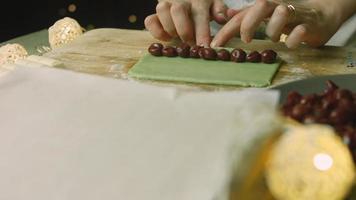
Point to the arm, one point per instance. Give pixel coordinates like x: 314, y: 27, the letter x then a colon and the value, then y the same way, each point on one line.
x: 341, y: 10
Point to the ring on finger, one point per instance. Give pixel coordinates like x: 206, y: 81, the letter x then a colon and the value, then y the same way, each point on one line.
x: 292, y: 13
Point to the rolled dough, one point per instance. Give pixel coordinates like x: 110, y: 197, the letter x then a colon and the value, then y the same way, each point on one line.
x: 206, y: 72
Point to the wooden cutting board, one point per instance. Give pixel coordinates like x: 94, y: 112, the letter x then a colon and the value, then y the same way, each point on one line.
x: 111, y: 52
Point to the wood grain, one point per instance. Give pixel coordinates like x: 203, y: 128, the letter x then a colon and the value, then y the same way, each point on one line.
x: 111, y: 52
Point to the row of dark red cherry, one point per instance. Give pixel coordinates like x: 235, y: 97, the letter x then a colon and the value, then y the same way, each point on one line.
x: 335, y: 107
x: 236, y: 55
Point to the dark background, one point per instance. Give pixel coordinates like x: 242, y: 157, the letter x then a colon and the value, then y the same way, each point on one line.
x: 23, y: 17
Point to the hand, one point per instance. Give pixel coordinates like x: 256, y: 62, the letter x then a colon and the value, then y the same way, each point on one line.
x: 186, y: 19
x: 314, y: 22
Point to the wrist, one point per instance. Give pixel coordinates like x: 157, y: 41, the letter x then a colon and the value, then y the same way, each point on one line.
x: 337, y: 11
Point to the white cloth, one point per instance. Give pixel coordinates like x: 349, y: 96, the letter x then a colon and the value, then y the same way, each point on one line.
x: 343, y: 35
x: 73, y: 136
x: 235, y: 4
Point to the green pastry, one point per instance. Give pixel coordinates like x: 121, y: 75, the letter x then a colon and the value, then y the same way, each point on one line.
x: 204, y: 72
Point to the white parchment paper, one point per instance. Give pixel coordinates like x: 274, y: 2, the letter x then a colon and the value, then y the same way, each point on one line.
x: 71, y: 136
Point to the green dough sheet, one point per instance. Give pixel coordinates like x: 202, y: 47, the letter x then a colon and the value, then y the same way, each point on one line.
x: 204, y: 71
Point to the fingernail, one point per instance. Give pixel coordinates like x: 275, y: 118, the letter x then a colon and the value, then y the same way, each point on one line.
x: 223, y: 15
x: 249, y: 39
x: 213, y: 44
x: 245, y: 38
x: 203, y: 45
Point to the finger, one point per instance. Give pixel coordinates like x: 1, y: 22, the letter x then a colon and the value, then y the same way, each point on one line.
x: 153, y: 25
x: 218, y: 11
x: 229, y: 30
x: 201, y: 18
x: 232, y: 12
x: 182, y: 22
x: 254, y: 17
x: 297, y: 36
x: 164, y: 15
x: 277, y: 23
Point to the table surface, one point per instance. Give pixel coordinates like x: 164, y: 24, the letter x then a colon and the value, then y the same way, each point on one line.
x: 31, y: 41
x: 111, y: 52
x: 98, y: 52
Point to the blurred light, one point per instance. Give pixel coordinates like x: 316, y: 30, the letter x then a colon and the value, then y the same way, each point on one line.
x: 72, y: 8
x: 323, y: 162
x: 132, y: 18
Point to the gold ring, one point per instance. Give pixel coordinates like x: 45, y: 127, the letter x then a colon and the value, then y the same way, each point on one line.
x: 293, y: 12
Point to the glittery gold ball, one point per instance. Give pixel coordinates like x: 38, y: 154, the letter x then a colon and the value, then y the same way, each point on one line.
x: 64, y: 31
x: 310, y: 162
x: 10, y: 53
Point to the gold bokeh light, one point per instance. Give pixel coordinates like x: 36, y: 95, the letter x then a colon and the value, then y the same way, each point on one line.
x: 72, y: 8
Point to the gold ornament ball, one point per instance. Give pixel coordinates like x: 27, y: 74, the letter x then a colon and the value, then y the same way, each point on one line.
x: 310, y: 162
x: 64, y: 31
x: 10, y: 53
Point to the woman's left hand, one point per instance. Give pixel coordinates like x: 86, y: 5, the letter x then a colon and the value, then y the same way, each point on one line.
x: 314, y: 22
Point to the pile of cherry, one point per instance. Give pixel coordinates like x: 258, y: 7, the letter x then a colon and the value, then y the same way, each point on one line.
x: 236, y: 55
x: 335, y: 107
